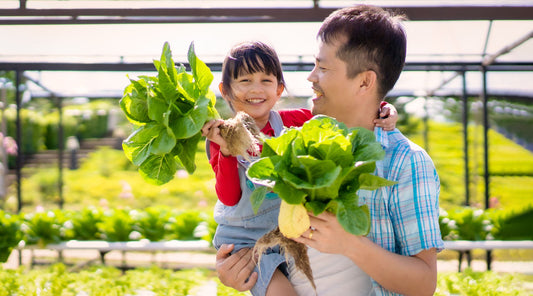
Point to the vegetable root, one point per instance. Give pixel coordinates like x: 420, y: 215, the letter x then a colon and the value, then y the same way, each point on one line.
x: 288, y: 247
x: 242, y: 135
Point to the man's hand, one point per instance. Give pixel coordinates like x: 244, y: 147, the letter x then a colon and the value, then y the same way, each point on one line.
x: 235, y: 270
x: 328, y: 236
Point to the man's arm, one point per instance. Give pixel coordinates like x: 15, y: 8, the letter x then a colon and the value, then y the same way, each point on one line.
x: 408, y: 275
x: 413, y: 212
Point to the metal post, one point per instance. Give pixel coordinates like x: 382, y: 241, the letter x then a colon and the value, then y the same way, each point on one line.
x: 465, y: 141
x: 486, y: 149
x: 18, y: 139
x: 3, y: 130
x: 426, y: 124
x: 60, y: 152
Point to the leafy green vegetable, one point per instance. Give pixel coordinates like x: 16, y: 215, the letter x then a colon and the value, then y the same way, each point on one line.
x: 169, y: 111
x: 151, y: 223
x: 84, y: 224
x: 42, y: 228
x: 322, y: 165
x: 116, y: 225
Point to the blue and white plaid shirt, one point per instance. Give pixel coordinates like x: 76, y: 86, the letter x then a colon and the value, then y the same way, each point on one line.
x: 405, y: 217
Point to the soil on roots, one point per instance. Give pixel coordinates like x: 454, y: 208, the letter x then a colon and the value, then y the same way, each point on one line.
x: 241, y: 134
x: 288, y: 247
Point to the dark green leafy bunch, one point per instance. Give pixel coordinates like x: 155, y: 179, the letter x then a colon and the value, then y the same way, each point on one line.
x: 169, y: 111
x: 321, y: 165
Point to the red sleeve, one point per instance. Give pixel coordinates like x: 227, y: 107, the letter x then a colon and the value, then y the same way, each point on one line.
x: 295, y: 117
x: 227, y: 186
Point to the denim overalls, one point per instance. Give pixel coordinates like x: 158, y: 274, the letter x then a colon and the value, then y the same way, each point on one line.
x: 239, y: 225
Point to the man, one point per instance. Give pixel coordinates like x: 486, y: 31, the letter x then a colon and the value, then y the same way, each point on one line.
x: 361, y: 53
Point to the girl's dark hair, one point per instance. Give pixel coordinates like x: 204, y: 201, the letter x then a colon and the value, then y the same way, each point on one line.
x: 375, y: 41
x: 248, y: 58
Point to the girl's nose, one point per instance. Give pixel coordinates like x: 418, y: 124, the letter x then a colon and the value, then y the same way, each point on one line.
x: 256, y: 87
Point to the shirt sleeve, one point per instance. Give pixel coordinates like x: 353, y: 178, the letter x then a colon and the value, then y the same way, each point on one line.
x: 415, y: 212
x: 295, y: 117
x: 227, y: 184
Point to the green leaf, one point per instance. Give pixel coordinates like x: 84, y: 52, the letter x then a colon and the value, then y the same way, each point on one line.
x: 157, y: 109
x: 191, y: 123
x: 258, y: 196
x: 316, y: 206
x: 369, y: 152
x: 354, y: 219
x: 201, y: 73
x: 166, y: 60
x: 158, y: 169
x: 312, y: 173
x: 278, y: 145
x: 288, y: 193
x: 263, y: 172
x: 134, y: 102
x: 164, y: 143
x: 138, y: 145
x: 373, y: 182
x: 188, y: 151
x: 361, y: 136
x: 336, y: 148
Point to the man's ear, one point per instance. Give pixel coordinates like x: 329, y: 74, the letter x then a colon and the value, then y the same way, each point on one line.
x: 368, y: 80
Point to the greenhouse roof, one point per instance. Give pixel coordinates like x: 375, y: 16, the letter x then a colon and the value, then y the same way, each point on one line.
x: 85, y: 48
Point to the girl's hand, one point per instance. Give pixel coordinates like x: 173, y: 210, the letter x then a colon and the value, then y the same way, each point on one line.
x: 388, y: 116
x: 211, y: 131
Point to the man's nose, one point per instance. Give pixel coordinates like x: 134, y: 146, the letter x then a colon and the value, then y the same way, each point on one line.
x: 312, y: 77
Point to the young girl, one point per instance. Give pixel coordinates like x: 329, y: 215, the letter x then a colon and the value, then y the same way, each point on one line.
x: 252, y: 82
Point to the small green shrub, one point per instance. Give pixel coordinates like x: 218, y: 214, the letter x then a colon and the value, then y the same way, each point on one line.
x: 183, y: 224
x: 100, y: 281
x: 43, y: 228
x: 51, y: 138
x: 33, y: 127
x: 83, y: 225
x: 151, y: 223
x: 470, y: 224
x: 116, y: 225
x: 10, y: 234
x: 513, y: 224
x: 471, y: 283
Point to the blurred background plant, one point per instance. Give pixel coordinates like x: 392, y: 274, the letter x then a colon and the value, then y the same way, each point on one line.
x: 10, y: 234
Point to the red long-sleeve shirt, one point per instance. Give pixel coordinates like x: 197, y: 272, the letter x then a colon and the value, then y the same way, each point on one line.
x: 225, y: 167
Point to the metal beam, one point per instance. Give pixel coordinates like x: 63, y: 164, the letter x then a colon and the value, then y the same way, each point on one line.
x: 292, y: 66
x: 29, y: 16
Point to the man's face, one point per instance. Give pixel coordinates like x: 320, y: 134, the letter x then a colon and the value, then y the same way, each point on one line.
x: 334, y: 91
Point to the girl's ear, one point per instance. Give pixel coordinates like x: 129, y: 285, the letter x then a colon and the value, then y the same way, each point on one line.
x: 281, y: 88
x: 222, y: 90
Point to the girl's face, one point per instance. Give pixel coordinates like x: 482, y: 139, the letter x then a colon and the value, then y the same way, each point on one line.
x: 256, y: 94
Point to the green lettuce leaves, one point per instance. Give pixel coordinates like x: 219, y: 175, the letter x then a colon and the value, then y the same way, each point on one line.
x: 321, y: 165
x: 168, y: 111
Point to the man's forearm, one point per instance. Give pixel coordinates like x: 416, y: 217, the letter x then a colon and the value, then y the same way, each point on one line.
x: 407, y: 275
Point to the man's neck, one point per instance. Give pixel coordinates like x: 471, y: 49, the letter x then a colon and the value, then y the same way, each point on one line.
x: 363, y: 117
